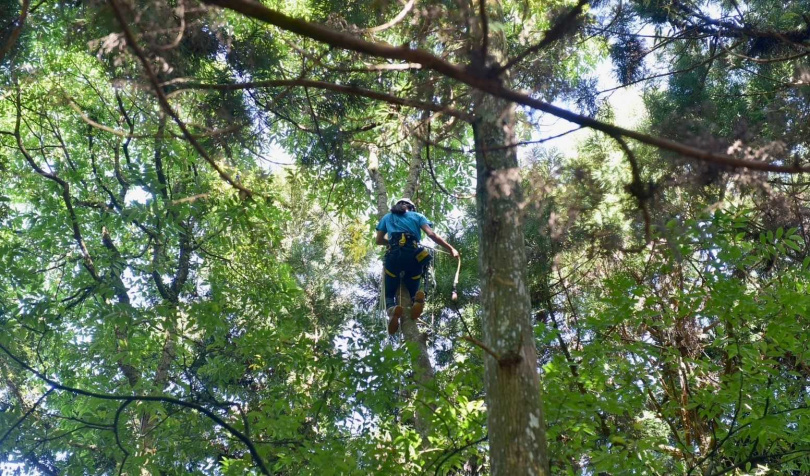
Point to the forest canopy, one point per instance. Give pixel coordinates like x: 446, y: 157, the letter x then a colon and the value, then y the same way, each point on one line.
x: 189, y: 282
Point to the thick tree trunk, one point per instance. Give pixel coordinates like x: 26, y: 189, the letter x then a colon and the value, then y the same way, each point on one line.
x: 516, y: 425
x: 515, y: 412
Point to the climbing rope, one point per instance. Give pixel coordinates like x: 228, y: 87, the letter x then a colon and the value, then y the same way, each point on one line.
x: 433, y: 282
x: 454, y: 296
x: 381, y: 310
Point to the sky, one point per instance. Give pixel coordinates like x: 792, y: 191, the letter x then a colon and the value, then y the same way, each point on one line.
x: 627, y: 104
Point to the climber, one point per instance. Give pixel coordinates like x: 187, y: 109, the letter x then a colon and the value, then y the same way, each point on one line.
x: 405, y: 260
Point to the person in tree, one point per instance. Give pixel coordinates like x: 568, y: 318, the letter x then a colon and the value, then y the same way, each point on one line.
x: 405, y: 261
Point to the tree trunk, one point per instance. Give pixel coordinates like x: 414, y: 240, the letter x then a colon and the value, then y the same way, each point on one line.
x: 514, y: 405
x: 420, y: 360
x: 379, y: 192
x: 417, y: 164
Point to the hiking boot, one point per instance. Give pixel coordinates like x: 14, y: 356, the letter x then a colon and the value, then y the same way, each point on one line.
x: 394, y: 313
x: 418, y: 305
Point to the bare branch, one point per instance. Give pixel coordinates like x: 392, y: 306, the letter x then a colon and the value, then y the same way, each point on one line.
x: 433, y: 172
x: 472, y: 340
x: 118, y: 412
x: 443, y: 458
x: 130, y: 135
x: 144, y: 398
x: 180, y: 29
x: 416, y: 164
x: 637, y: 188
x: 317, y: 123
x: 191, y: 199
x: 667, y: 73
x: 473, y: 150
x: 377, y: 181
x: 74, y: 221
x: 25, y: 415
x: 795, y: 38
x: 767, y: 60
x: 482, y: 12
x: 378, y: 67
x: 333, y: 87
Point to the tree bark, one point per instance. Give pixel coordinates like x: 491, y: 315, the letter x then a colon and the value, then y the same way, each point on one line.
x: 379, y: 191
x: 515, y: 420
x: 514, y: 404
x: 417, y: 164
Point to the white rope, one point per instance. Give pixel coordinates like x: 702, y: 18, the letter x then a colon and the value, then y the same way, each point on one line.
x: 433, y: 283
x: 433, y: 247
x: 381, y: 314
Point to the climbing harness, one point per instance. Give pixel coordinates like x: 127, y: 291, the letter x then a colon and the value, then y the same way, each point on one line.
x: 399, y: 242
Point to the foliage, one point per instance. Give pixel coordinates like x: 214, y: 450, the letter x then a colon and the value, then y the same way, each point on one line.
x: 684, y: 363
x: 157, y: 320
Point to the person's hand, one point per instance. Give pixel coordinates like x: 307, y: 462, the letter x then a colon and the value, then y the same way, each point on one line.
x: 454, y: 252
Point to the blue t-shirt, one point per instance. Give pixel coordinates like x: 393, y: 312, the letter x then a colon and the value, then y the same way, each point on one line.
x: 409, y: 222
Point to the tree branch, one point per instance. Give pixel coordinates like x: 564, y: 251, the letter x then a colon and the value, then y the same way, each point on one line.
x: 15, y: 34
x: 144, y: 398
x: 637, y: 188
x: 472, y: 340
x: 482, y: 12
x: 371, y: 68
x: 164, y: 102
x: 25, y: 415
x: 357, y: 91
x: 377, y: 182
x: 130, y: 135
x: 433, y: 172
x: 400, y: 16
x: 74, y: 221
x: 118, y: 412
x: 338, y: 39
x: 556, y: 32
x: 455, y: 450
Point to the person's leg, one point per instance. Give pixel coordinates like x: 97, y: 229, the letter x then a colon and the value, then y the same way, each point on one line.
x: 412, y: 280
x: 394, y: 315
x: 418, y: 305
x: 391, y: 286
x: 391, y: 270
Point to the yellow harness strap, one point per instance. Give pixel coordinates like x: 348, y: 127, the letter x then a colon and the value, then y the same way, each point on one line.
x: 422, y: 255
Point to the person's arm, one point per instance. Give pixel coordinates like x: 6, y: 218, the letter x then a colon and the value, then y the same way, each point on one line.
x: 381, y: 228
x: 439, y: 240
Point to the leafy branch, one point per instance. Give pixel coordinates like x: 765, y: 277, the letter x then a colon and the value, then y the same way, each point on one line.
x: 143, y: 398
